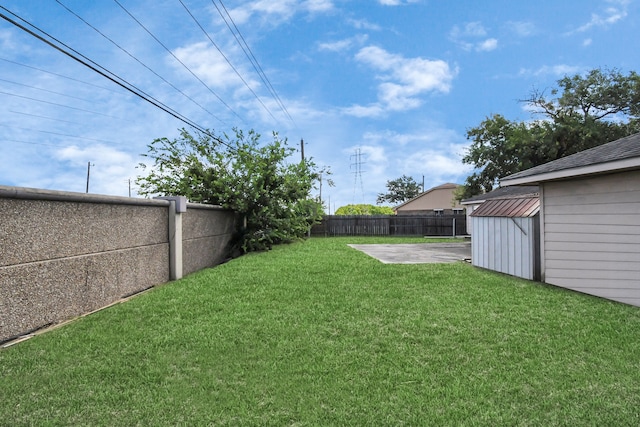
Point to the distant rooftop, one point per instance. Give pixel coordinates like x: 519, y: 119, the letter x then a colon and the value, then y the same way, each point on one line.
x: 447, y: 185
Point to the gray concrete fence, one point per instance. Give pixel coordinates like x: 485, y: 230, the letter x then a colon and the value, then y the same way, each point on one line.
x: 66, y: 254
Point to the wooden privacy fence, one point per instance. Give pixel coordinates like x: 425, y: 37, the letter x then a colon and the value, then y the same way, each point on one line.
x: 391, y: 225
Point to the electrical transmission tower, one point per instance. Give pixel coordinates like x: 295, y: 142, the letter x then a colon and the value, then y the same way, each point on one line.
x: 357, y: 173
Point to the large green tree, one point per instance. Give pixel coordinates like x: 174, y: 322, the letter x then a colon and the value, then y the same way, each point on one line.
x: 582, y: 112
x: 256, y: 180
x: 399, y: 190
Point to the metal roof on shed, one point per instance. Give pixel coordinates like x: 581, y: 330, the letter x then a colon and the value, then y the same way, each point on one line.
x: 515, y: 207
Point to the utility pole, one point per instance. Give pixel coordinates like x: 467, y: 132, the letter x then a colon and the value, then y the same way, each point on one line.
x: 423, y: 183
x: 302, y: 148
x: 88, y: 173
x: 320, y: 197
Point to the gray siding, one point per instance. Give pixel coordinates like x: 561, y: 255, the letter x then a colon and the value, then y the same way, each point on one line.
x: 592, y: 235
x: 506, y: 245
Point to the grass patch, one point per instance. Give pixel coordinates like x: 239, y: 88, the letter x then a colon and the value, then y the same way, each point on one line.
x: 317, y: 333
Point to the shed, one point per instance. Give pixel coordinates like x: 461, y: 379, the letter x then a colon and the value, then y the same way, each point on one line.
x: 505, y: 236
x: 473, y: 203
x: 590, y: 219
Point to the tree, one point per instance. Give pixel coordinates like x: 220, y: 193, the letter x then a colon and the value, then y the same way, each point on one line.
x: 271, y: 195
x: 583, y: 112
x: 364, y: 210
x: 399, y: 190
x: 500, y: 147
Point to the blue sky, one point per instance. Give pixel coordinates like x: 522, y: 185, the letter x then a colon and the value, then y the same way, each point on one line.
x: 398, y: 81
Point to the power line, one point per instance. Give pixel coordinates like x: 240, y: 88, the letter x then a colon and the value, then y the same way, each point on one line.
x: 44, y: 90
x: 76, y: 56
x: 250, y: 56
x: 56, y: 120
x: 137, y: 60
x: 177, y: 59
x: 358, y: 172
x: 254, y: 61
x: 227, y: 59
x: 43, y: 117
x: 18, y: 141
x: 58, y: 134
x: 60, y: 105
x: 57, y: 75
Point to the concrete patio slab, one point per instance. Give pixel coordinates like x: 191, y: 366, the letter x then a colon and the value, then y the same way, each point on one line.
x: 417, y: 253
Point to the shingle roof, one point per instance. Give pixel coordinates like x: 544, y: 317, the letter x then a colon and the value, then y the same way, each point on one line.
x: 502, y: 192
x: 621, y: 149
x: 515, y: 207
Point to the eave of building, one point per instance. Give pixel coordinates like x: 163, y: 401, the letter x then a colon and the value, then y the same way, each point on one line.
x: 597, y: 169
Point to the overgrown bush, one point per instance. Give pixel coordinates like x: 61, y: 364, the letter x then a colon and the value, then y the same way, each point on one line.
x: 256, y: 180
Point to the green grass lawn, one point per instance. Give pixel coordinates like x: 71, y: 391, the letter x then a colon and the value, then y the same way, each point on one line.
x: 317, y: 334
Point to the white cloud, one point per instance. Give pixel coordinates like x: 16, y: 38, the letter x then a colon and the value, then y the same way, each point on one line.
x: 487, y: 45
x: 318, y: 5
x: 362, y: 24
x: 110, y: 168
x: 374, y: 110
x: 387, y: 136
x: 282, y: 9
x: 210, y: 66
x: 587, y: 42
x: 434, y: 152
x: 611, y: 15
x: 372, y: 153
x: 521, y: 28
x: 555, y: 70
x: 277, y: 11
x: 337, y: 46
x: 343, y: 45
x: 470, y: 29
x: 398, y: 97
x: 396, y: 2
x: 467, y: 37
x: 6, y: 40
x: 403, y: 80
x: 440, y: 166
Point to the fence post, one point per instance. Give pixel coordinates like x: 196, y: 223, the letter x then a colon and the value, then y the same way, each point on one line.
x: 454, y: 227
x: 177, y: 206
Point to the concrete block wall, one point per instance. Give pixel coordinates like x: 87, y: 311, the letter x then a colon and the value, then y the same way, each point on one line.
x: 66, y: 254
x: 205, y: 236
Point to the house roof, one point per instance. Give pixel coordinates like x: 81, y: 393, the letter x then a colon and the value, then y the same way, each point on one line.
x: 618, y: 155
x: 514, y: 207
x: 502, y: 192
x: 445, y: 186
